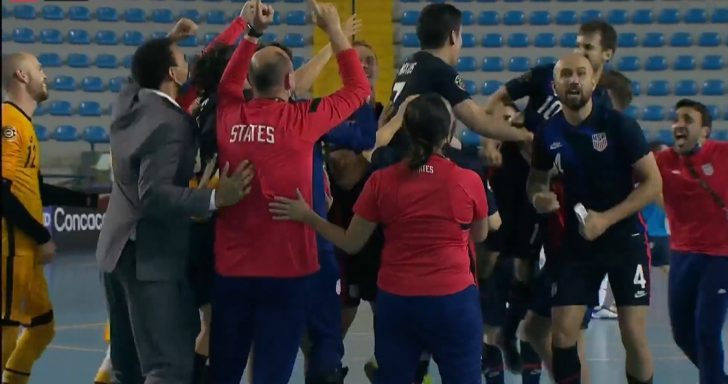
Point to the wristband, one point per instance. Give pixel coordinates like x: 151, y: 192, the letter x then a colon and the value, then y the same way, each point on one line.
x: 253, y: 33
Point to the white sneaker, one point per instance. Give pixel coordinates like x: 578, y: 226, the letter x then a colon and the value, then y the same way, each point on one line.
x: 602, y: 313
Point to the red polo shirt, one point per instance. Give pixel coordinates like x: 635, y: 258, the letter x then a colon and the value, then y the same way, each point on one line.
x: 697, y: 223
x: 426, y: 215
x: 277, y: 137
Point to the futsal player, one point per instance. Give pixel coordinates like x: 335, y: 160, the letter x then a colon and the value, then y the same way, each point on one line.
x: 695, y: 174
x: 599, y: 153
x: 423, y: 280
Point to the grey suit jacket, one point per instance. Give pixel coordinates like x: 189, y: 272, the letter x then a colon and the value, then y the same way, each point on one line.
x: 153, y: 144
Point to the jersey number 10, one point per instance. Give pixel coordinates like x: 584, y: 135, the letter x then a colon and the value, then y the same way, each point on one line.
x: 550, y: 107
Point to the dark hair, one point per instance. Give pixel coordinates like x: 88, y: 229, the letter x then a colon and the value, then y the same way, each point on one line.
x: 151, y: 62
x: 620, y: 86
x: 428, y: 122
x: 209, y: 68
x: 436, y: 23
x: 605, y: 30
x: 705, y: 118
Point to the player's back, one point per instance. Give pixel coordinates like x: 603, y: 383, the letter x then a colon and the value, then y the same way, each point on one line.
x: 21, y: 164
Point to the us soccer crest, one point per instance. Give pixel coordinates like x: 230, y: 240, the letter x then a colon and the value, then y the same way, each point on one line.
x: 707, y: 169
x: 599, y: 141
x: 460, y: 82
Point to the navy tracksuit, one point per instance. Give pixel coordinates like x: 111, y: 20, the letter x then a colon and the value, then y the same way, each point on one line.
x: 323, y: 318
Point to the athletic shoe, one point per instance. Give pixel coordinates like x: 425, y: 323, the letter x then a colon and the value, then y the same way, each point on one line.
x: 602, y: 313
x: 370, y: 370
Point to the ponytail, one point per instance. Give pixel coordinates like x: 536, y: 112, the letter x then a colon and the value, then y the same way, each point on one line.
x: 420, y: 153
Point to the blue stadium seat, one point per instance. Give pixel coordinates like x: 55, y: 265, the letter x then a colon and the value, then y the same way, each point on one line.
x: 590, y: 15
x: 158, y: 34
x: 41, y: 132
x: 64, y: 83
x: 269, y: 37
x: 116, y: 84
x: 127, y: 61
x: 107, y: 14
x: 298, y: 61
x: 47, y: 36
x: 539, y: 18
x: 42, y: 110
x: 135, y: 15
x: 546, y: 60
x: 409, y: 17
x: 488, y: 18
x: 568, y: 40
x: 720, y: 16
x: 96, y: 135
x: 52, y: 12
x: 713, y: 87
x: 713, y: 111
x: 79, y: 13
x: 79, y: 37
x: 133, y: 38
x: 519, y: 64
x: 216, y: 16
x: 162, y: 16
x: 60, y: 108
x: 617, y: 17
x: 518, y: 40
x: 106, y: 38
x: 686, y: 88
x: 468, y: 18
x: 492, y: 64
x: 665, y: 136
x: 410, y: 40
x: 92, y: 84
x: 684, y: 63
x: 668, y: 16
x: 642, y: 16
x: 632, y: 111
x: 24, y: 12
x: 296, y: 18
x: 277, y: 18
x: 713, y: 62
x: 720, y: 134
x: 194, y: 15
x: 6, y: 12
x: 490, y: 86
x: 566, y: 17
x: 50, y: 60
x: 514, y: 18
x: 653, y: 40
x: 656, y: 63
x: 89, y: 109
x: 78, y: 60
x: 545, y: 40
x: 294, y: 40
x: 627, y: 40
x: 695, y: 16
x: 636, y: 88
x: 209, y: 37
x: 492, y: 40
x: 466, y: 64
x: 190, y: 41
x: 658, y: 88
x: 709, y: 39
x: 471, y: 87
x: 107, y: 61
x: 681, y: 39
x: 628, y: 64
x: 653, y: 113
x: 65, y: 133
x: 469, y: 40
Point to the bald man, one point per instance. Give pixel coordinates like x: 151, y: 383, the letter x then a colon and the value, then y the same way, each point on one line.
x: 599, y: 153
x: 26, y: 243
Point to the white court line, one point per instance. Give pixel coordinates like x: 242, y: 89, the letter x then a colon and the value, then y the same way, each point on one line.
x: 79, y: 326
x: 76, y: 349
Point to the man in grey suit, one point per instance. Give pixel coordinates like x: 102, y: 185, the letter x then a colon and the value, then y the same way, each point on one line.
x: 143, y: 245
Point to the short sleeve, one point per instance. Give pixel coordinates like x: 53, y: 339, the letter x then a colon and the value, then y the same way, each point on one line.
x: 527, y: 83
x: 541, y: 159
x: 632, y: 139
x: 451, y: 86
x: 366, y: 205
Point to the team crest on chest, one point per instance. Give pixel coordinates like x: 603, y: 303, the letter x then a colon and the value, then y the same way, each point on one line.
x: 599, y: 141
x: 459, y: 82
x: 707, y: 169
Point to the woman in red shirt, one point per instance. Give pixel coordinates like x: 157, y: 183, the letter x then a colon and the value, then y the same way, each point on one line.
x: 429, y: 208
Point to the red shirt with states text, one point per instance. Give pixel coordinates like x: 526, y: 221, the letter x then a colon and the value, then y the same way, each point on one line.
x: 426, y: 215
x: 277, y: 137
x: 697, y: 223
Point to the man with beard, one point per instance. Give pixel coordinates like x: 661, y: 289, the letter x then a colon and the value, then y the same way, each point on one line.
x: 599, y: 153
x: 695, y: 195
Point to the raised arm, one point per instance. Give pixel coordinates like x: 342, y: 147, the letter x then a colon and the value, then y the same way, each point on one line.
x: 358, y: 134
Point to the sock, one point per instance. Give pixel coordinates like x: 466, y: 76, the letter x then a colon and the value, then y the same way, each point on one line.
x: 200, y: 369
x: 567, y: 367
x: 632, y: 380
x: 603, y: 291
x: 492, y: 365
x: 517, y: 307
x: 531, y: 364
x: 10, y: 339
x: 103, y: 375
x: 31, y: 344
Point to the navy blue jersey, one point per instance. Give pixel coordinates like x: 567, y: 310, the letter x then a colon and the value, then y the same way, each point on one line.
x: 594, y: 161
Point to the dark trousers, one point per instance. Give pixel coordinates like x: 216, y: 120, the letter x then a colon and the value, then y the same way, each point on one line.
x: 698, y: 299
x: 153, y: 326
x: 450, y: 327
x: 268, y: 313
x: 323, y: 319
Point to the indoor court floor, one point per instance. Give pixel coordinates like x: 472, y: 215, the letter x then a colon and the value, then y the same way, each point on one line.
x: 78, y: 348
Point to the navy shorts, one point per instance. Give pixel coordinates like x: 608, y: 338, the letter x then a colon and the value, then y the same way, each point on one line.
x: 359, y: 272
x: 660, y: 249
x: 202, y: 260
x: 522, y: 233
x: 542, y: 288
x: 494, y: 293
